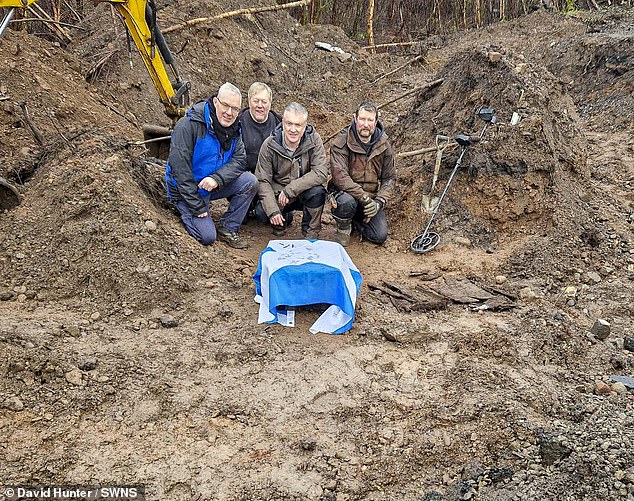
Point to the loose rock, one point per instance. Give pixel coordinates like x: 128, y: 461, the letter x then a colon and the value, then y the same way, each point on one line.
x: 87, y: 363
x: 13, y: 404
x: 74, y: 377
x: 463, y: 241
x: 494, y: 56
x: 168, y: 321
x: 527, y: 294
x: 601, y: 329
x: 626, y: 380
x: 619, y: 388
x: 308, y: 444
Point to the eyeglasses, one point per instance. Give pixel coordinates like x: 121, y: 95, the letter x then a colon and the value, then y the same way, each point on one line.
x: 228, y: 107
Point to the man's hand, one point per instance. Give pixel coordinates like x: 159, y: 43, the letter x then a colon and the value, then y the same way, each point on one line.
x: 282, y: 199
x: 208, y: 183
x: 204, y: 214
x: 370, y: 208
x: 277, y: 220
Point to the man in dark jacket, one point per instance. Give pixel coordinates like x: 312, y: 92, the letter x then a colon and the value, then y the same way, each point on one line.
x: 207, y: 161
x: 292, y: 170
x: 257, y: 121
x: 363, y: 174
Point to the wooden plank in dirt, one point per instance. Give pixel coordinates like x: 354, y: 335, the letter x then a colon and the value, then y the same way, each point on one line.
x: 460, y: 291
x: 407, y: 300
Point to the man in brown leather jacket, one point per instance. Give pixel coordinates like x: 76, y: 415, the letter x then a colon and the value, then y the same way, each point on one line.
x: 292, y: 170
x: 363, y: 174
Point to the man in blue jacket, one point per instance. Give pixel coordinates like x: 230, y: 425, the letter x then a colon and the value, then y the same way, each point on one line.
x: 208, y: 161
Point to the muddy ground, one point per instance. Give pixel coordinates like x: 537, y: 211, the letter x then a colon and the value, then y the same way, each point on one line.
x: 129, y: 353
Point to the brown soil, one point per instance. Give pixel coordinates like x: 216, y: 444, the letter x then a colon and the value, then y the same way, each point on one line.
x: 416, y: 402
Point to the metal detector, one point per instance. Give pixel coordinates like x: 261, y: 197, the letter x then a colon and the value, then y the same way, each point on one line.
x: 428, y: 240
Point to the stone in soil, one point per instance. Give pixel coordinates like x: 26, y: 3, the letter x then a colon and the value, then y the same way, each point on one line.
x: 168, y: 321
x: 74, y: 376
x: 13, y: 404
x: 551, y: 449
x: 87, y: 363
x: 601, y: 329
x: 626, y: 380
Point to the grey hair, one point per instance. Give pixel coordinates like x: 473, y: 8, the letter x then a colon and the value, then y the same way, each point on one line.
x: 228, y: 87
x: 259, y: 87
x: 296, y: 108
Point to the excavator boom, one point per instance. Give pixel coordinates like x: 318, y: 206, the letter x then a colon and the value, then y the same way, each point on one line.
x: 139, y: 17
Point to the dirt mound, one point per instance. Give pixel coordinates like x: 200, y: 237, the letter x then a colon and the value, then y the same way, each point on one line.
x: 88, y: 233
x: 513, y: 178
x: 59, y: 103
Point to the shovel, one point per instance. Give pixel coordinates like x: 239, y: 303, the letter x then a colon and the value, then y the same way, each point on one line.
x: 429, y: 202
x: 428, y: 240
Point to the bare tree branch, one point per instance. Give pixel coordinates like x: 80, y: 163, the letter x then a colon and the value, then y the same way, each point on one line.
x: 233, y: 13
x: 429, y: 85
x: 39, y: 137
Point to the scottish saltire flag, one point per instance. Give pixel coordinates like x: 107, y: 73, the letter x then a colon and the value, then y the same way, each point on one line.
x: 303, y: 272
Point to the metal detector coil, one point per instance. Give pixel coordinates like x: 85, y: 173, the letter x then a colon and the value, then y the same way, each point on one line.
x: 428, y: 240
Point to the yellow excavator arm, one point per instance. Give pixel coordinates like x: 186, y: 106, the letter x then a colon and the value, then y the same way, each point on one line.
x: 139, y: 17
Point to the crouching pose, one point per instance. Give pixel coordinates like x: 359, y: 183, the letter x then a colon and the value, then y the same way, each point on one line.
x: 292, y: 170
x: 207, y: 161
x: 363, y: 175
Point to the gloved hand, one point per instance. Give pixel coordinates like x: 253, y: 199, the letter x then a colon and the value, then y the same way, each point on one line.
x: 370, y: 208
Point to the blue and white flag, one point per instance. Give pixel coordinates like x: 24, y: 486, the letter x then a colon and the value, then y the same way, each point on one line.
x: 304, y: 272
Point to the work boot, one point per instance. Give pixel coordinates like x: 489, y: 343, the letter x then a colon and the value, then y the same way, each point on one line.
x: 279, y: 230
x: 310, y: 234
x: 231, y: 238
x: 344, y: 229
x: 311, y: 222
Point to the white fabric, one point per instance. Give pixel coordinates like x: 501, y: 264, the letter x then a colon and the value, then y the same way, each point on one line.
x: 297, y: 252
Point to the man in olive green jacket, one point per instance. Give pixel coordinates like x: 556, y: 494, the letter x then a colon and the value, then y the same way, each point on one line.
x: 292, y: 171
x: 363, y: 175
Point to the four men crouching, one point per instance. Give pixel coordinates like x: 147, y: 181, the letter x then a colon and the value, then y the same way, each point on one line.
x: 208, y: 161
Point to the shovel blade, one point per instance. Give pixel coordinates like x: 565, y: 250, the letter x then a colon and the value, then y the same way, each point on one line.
x: 429, y: 203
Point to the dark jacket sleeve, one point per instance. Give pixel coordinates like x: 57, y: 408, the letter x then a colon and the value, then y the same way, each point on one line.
x: 264, y: 173
x: 234, y: 167
x: 388, y: 176
x: 339, y: 157
x: 317, y: 175
x: 180, y: 159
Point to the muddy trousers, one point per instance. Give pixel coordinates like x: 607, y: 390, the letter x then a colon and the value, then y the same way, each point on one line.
x: 310, y: 202
x: 349, y: 209
x: 239, y: 192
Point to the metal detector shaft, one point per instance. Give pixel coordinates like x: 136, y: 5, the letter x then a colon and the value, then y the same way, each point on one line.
x: 444, y: 192
x: 453, y: 173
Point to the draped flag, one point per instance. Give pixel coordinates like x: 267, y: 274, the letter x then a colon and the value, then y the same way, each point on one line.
x: 303, y: 272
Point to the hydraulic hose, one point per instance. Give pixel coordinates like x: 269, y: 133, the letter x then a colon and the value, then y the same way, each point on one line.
x: 6, y: 21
